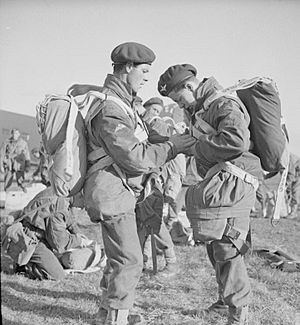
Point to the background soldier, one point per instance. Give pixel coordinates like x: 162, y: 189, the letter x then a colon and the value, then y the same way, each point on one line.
x: 14, y: 159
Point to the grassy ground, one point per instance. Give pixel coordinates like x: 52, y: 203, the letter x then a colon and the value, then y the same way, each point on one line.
x: 275, y: 294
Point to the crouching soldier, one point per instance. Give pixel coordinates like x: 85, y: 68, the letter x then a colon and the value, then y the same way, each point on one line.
x: 38, y: 241
x: 219, y: 206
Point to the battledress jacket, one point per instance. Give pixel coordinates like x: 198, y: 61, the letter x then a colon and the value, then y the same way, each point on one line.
x: 222, y: 194
x: 119, y: 134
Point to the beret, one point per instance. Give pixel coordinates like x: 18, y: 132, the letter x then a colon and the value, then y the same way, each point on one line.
x: 154, y: 100
x: 173, y: 76
x: 132, y: 52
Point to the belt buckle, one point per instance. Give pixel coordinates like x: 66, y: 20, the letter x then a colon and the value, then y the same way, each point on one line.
x: 249, y: 179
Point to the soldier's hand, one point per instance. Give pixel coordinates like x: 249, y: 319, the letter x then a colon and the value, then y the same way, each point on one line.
x: 191, y: 151
x: 85, y: 241
x: 182, y: 142
x: 2, y: 170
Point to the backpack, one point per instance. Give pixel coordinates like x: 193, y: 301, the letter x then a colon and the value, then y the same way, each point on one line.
x: 260, y: 98
x: 62, y: 128
x: 61, y: 124
x: 63, y: 121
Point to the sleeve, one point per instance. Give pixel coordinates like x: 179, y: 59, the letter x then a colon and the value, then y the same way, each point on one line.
x: 232, y: 136
x: 114, y: 130
x: 58, y: 236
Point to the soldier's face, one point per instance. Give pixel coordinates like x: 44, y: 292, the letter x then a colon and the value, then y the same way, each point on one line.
x: 184, y: 97
x: 15, y: 135
x: 138, y: 76
x: 152, y: 110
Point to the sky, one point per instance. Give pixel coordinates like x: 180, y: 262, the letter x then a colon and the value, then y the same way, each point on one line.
x: 47, y: 45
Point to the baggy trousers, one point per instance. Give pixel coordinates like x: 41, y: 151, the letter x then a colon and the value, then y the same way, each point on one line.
x: 124, y: 261
x: 231, y: 273
x: 45, y: 259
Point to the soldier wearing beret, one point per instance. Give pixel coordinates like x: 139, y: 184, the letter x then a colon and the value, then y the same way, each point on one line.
x: 219, y: 206
x: 153, y: 108
x: 120, y: 158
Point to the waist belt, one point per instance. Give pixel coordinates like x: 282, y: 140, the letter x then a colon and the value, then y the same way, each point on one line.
x: 234, y: 170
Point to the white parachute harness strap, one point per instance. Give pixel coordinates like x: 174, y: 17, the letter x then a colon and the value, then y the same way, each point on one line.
x: 73, y: 112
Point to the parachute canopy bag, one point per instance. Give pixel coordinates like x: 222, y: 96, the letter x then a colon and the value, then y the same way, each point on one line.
x: 62, y: 128
x: 264, y: 107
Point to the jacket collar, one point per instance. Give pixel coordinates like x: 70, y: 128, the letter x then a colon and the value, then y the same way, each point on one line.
x: 205, y: 90
x: 120, y: 88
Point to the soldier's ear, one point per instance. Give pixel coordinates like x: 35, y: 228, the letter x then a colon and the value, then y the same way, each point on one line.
x: 128, y: 67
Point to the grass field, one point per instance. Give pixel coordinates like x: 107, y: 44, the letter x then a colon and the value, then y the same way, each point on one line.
x: 275, y: 294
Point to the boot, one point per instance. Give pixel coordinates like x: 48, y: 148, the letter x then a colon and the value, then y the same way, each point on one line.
x: 293, y: 213
x: 218, y: 307
x: 116, y: 317
x: 169, y: 270
x: 100, y: 316
x: 238, y: 316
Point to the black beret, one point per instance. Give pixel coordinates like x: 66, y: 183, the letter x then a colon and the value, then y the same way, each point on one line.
x: 132, y: 52
x: 154, y: 100
x: 173, y: 76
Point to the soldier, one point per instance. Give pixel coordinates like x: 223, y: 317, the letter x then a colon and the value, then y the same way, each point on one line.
x: 150, y: 212
x: 153, y: 108
x: 293, y: 186
x: 14, y: 159
x: 46, y: 231
x: 226, y: 195
x: 120, y: 159
x: 42, y: 168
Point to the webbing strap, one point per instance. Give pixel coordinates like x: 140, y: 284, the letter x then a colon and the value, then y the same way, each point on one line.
x: 69, y: 138
x: 234, y: 170
x: 97, y: 153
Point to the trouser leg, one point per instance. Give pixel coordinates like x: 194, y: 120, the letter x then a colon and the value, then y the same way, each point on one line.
x: 45, y: 260
x: 164, y: 242
x: 124, y: 260
x: 210, y: 254
x: 8, y: 179
x: 20, y: 177
x: 231, y: 272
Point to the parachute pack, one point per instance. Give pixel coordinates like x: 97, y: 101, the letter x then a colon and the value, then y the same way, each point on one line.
x: 62, y: 125
x: 260, y: 98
